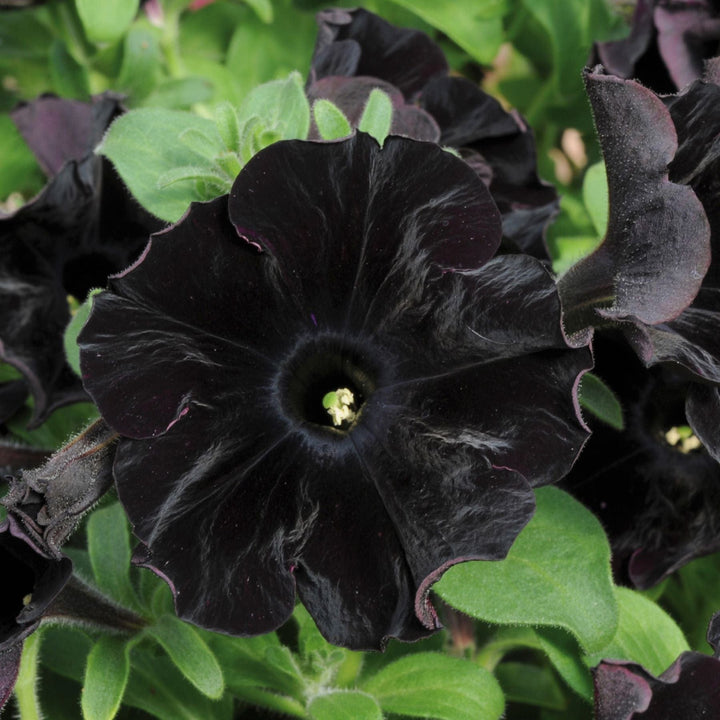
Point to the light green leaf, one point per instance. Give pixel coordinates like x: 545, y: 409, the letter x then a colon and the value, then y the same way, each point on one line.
x: 106, y: 676
x: 595, y: 196
x: 344, y: 705
x: 571, y: 249
x: 646, y: 635
x: 377, y: 115
x: 431, y: 685
x: 475, y: 25
x: 144, y: 144
x: 106, y: 21
x: 263, y: 9
x: 138, y: 74
x: 65, y: 650
x: 564, y: 653
x: 281, y: 105
x: 596, y: 397
x: 109, y: 548
x: 330, y: 120
x: 180, y: 93
x: 557, y: 573
x: 190, y: 653
x: 78, y: 320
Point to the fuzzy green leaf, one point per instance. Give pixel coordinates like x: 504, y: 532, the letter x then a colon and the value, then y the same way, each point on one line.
x: 530, y: 685
x: 106, y: 676
x: 557, y: 573
x: 330, y: 120
x: 430, y: 685
x: 344, y: 705
x: 144, y: 144
x: 190, y: 653
x: 72, y: 351
x: 646, y: 635
x: 595, y: 196
x: 377, y: 115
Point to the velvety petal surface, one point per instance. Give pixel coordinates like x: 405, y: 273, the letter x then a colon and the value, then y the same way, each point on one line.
x: 656, y: 251
x: 58, y: 130
x: 9, y: 668
x: 341, y: 204
x: 328, y: 267
x: 689, y: 688
x: 358, y: 42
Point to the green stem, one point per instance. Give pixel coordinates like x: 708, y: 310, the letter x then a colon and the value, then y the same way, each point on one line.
x: 170, y: 44
x: 26, y: 686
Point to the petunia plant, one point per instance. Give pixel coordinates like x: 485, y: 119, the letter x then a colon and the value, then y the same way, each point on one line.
x: 359, y: 362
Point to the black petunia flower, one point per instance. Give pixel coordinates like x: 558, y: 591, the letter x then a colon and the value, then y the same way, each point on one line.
x: 323, y: 382
x: 668, y: 43
x: 649, y: 281
x: 689, y: 688
x: 82, y: 227
x: 357, y: 51
x: 32, y: 582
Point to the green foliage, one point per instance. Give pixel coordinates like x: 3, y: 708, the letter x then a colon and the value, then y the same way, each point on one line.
x: 530, y: 685
x: 106, y: 676
x: 330, y: 120
x: 344, y: 705
x: 596, y: 397
x: 107, y: 21
x: 78, y: 320
x: 19, y: 172
x: 557, y: 573
x: 595, y: 196
x: 377, y: 115
x: 430, y: 685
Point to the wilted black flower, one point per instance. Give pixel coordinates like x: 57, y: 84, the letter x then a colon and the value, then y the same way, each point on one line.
x: 325, y: 383
x: 82, y: 227
x: 668, y: 43
x: 689, y: 688
x: 32, y: 582
x: 357, y: 51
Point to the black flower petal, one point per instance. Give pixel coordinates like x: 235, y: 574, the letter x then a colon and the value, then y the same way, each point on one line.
x: 357, y: 51
x: 331, y: 266
x: 82, y: 227
x: 689, y: 688
x: 667, y: 44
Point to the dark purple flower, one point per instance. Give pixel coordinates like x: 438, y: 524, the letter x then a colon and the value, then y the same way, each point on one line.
x: 689, y: 688
x: 82, y: 227
x: 668, y: 43
x: 652, y: 281
x: 361, y: 278
x: 32, y: 582
x: 357, y: 51
x: 653, y: 485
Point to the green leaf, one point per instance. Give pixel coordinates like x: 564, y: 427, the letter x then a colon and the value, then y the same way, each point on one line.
x: 570, y: 250
x: 566, y: 656
x: 475, y: 25
x: 180, y: 93
x: 430, y: 685
x: 557, y: 573
x: 106, y: 21
x: 57, y: 429
x: 144, y: 144
x: 26, y: 685
x: 69, y: 77
x: 530, y: 685
x: 281, y: 105
x: 595, y: 196
x: 190, y: 653
x: 263, y: 9
x: 377, y: 115
x: 646, y: 635
x: 330, y: 120
x: 109, y: 547
x: 596, y: 397
x: 344, y: 705
x: 228, y: 126
x: 78, y: 320
x: 139, y: 71
x: 106, y: 676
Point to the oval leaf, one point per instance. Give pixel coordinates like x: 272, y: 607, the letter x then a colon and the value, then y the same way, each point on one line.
x: 106, y: 676
x: 596, y: 397
x: 190, y: 653
x: 430, y: 685
x: 344, y: 705
x: 556, y: 573
x: 106, y: 21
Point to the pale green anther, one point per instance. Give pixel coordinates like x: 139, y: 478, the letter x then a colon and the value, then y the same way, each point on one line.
x: 340, y: 405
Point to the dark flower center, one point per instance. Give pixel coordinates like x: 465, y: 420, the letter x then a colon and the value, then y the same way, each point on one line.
x: 85, y: 272
x: 325, y: 384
